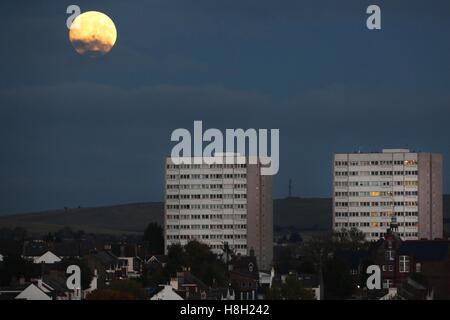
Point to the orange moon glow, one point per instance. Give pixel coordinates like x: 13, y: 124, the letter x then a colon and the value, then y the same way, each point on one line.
x: 93, y: 33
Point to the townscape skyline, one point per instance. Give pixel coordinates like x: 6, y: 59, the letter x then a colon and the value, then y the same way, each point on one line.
x: 81, y: 131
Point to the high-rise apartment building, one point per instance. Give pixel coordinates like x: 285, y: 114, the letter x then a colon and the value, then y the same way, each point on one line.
x: 220, y: 204
x: 370, y: 188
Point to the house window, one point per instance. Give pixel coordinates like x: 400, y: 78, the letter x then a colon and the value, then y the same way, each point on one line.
x: 387, y: 283
x: 388, y: 267
x: 389, y: 255
x: 418, y: 267
x: 404, y: 264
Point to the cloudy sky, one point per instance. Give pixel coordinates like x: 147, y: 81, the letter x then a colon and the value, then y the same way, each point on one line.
x: 81, y: 131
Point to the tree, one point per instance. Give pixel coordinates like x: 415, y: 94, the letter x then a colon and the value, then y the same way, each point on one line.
x: 204, y: 264
x: 153, y: 277
x: 352, y: 239
x: 306, y: 266
x: 175, y: 259
x: 49, y: 237
x: 201, y: 261
x: 64, y: 233
x: 295, y: 237
x: 291, y: 289
x: 318, y: 249
x: 286, y: 261
x: 20, y: 234
x: 154, y: 238
x: 14, y: 267
x: 338, y: 282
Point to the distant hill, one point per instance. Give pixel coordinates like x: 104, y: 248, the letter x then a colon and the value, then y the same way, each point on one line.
x: 301, y: 213
x: 119, y: 219
x: 447, y: 213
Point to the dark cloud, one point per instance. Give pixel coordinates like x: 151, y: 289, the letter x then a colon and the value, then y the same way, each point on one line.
x: 101, y: 144
x: 79, y: 131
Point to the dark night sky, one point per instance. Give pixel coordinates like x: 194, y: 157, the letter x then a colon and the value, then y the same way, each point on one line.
x: 81, y: 131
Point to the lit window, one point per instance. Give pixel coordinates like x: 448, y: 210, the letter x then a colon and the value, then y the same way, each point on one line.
x: 389, y: 255
x: 404, y: 264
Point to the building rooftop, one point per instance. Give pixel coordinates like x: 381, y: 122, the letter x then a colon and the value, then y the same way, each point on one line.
x: 396, y: 151
x: 426, y: 250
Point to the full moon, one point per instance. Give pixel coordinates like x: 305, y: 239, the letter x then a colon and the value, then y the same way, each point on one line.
x: 93, y: 34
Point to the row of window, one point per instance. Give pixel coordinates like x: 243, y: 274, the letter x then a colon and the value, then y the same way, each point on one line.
x: 376, y: 163
x: 351, y: 224
x: 376, y: 173
x: 377, y: 214
x: 208, y: 196
x: 374, y: 193
x: 375, y: 183
x: 206, y: 176
x: 205, y: 206
x: 373, y: 224
x: 206, y: 216
x: 236, y: 246
x: 206, y: 186
x: 377, y: 204
x: 401, y: 234
x: 205, y: 236
x: 206, y: 166
x: 205, y: 226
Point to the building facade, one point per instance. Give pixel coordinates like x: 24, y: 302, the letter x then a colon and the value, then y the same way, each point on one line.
x: 426, y: 260
x: 220, y: 204
x: 370, y: 188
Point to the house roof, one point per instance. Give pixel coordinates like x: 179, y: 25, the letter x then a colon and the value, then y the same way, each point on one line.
x: 48, y: 257
x: 106, y: 257
x: 32, y: 292
x: 9, y: 293
x: 188, y: 278
x: 34, y: 248
x: 166, y: 293
x: 426, y: 250
x: 157, y: 259
x: 57, y: 283
x: 67, y: 248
